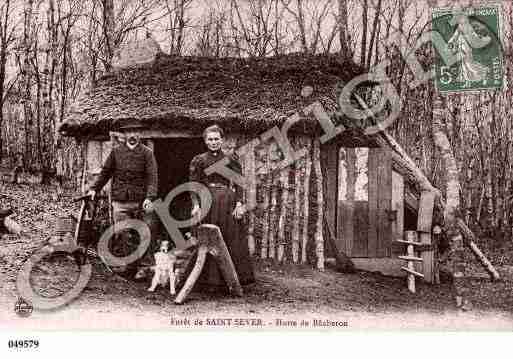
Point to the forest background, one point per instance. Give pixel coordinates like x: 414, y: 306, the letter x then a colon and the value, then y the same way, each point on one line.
x: 51, y: 51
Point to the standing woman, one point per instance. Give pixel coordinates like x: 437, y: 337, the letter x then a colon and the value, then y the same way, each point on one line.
x: 226, y: 211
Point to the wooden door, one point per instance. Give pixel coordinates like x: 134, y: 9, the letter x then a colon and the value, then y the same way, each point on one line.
x: 364, y: 222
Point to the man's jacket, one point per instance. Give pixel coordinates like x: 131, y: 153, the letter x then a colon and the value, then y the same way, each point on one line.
x: 133, y: 173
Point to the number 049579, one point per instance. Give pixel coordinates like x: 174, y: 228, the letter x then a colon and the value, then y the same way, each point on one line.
x: 23, y: 344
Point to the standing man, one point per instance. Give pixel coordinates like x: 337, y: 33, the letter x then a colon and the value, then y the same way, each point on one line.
x: 133, y: 170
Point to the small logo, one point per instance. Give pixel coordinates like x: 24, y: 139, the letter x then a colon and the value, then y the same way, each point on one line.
x: 23, y: 308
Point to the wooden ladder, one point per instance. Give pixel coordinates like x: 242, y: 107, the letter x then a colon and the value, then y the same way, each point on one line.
x: 421, y: 241
x: 410, y: 239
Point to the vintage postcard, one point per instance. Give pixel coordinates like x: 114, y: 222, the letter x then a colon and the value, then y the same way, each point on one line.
x: 256, y: 165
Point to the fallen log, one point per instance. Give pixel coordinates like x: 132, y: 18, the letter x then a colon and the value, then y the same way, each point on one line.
x: 470, y: 240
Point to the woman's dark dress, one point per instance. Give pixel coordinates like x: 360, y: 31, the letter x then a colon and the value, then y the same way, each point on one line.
x: 223, y: 203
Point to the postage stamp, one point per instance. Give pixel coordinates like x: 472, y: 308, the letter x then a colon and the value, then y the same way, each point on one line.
x: 473, y: 37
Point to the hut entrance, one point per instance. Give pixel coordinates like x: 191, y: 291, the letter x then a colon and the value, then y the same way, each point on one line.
x: 366, y: 223
x: 173, y: 157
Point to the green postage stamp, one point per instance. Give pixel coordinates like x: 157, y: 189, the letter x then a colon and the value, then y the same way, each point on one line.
x: 474, y: 58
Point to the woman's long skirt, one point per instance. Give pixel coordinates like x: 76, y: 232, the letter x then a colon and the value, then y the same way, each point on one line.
x: 220, y: 214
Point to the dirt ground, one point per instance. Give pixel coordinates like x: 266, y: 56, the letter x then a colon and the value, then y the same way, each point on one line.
x: 287, y: 293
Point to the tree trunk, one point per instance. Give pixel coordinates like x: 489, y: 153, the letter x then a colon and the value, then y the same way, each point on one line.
x: 363, y: 49
x: 452, y: 204
x: 47, y: 89
x: 343, y: 29
x: 266, y: 189
x: 251, y: 195
x: 108, y: 33
x: 319, y: 238
x: 306, y: 200
x: 25, y: 81
x: 273, y: 216
x: 284, y: 184
x: 374, y: 33
x: 5, y: 39
x: 298, y: 170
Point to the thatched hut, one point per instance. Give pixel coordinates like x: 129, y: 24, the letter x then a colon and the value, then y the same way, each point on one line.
x: 360, y: 192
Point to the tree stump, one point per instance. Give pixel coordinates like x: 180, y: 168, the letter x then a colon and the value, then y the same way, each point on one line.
x: 210, y: 241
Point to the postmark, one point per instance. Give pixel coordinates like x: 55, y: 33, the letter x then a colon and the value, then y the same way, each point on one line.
x: 473, y: 36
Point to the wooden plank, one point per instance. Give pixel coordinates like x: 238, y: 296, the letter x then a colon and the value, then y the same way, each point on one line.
x: 351, y: 172
x: 410, y: 199
x: 398, y: 206
x: 361, y: 174
x: 425, y: 214
x: 410, y: 258
x: 348, y: 215
x: 342, y: 175
x: 329, y: 159
x: 372, y: 233
x: 398, y: 246
x: 361, y: 227
x: 106, y: 148
x: 384, y: 169
x: 411, y: 236
x: 408, y: 242
x: 342, y: 196
x: 411, y: 271
x: 346, y: 225
x: 424, y: 226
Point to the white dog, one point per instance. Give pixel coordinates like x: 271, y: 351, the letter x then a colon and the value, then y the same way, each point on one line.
x: 164, y: 269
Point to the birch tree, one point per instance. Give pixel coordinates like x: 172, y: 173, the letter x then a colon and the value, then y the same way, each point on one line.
x: 8, y: 28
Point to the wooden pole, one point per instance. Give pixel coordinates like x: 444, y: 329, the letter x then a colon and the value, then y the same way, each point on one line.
x: 411, y: 240
x: 266, y: 188
x: 406, y: 161
x: 297, y: 210
x: 272, y: 218
x: 424, y: 227
x: 193, y: 277
x: 306, y: 201
x: 319, y: 239
x: 437, y: 231
x: 471, y: 239
x: 410, y: 236
x: 284, y: 184
x: 411, y: 267
x: 251, y: 195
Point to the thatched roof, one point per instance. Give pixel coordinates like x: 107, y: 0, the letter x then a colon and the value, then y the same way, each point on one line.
x: 242, y: 95
x: 188, y: 93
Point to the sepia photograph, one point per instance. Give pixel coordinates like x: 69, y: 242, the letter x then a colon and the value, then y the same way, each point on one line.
x: 255, y: 165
